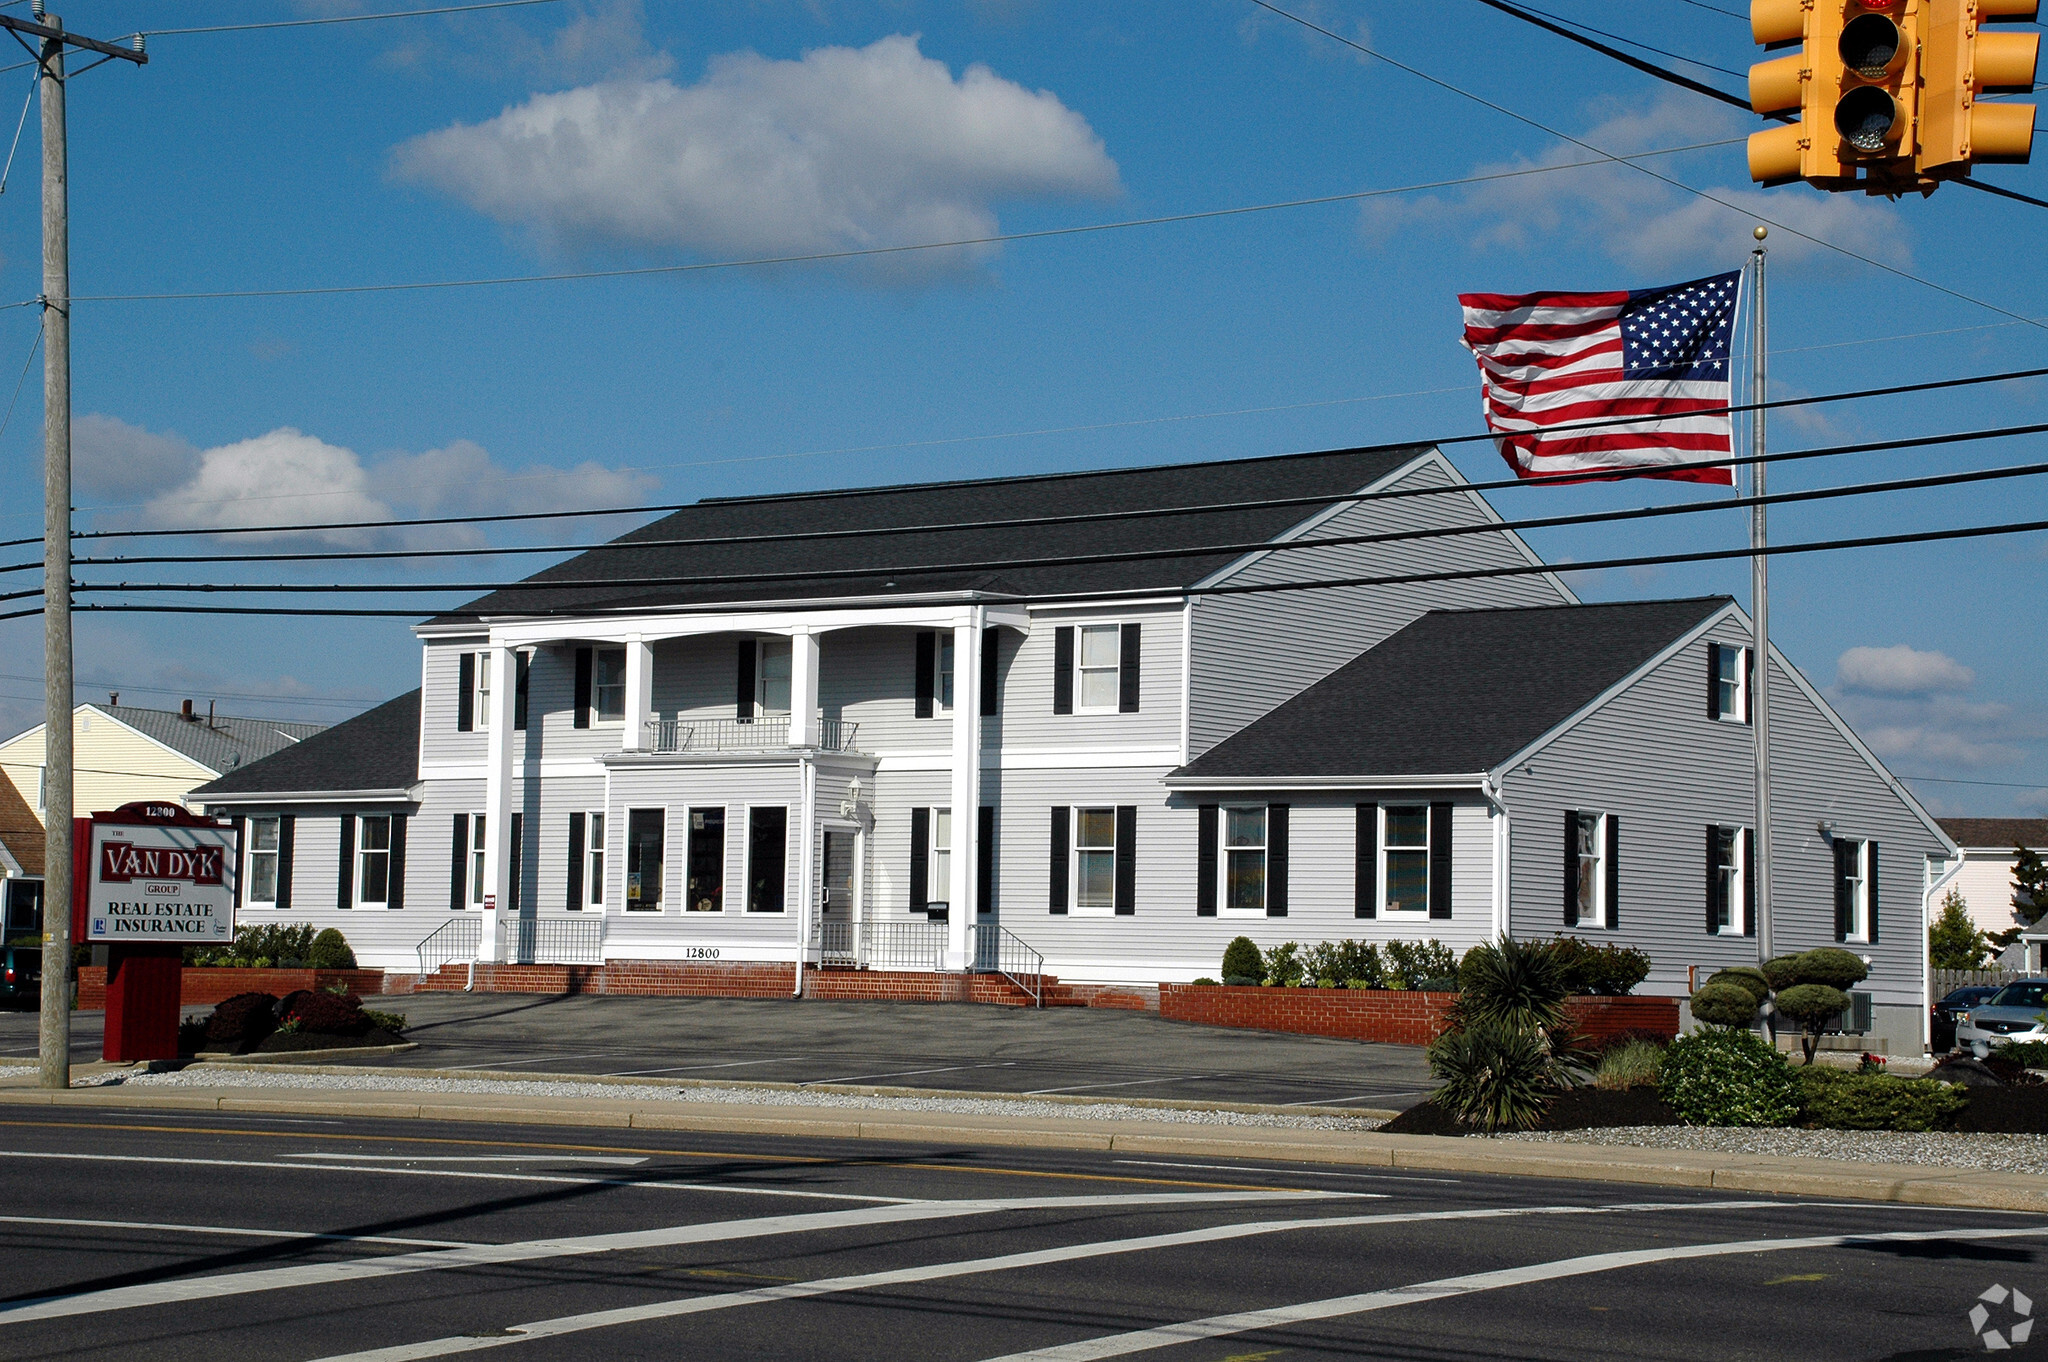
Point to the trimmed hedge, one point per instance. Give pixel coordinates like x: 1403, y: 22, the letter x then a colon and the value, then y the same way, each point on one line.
x: 1725, y: 1077
x: 1835, y: 1099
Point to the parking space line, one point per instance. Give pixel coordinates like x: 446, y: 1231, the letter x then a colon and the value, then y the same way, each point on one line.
x: 1251, y: 1321
x: 1285, y: 1172
x: 544, y: 1059
x: 907, y: 1073
x: 537, y: 1250
x: 1133, y: 1083
x: 687, y: 1068
x: 233, y: 1231
x: 1359, y: 1097
x: 605, y: 1319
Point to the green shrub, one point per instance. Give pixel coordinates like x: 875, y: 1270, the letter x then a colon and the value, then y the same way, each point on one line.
x: 1813, y: 1006
x: 330, y: 950
x: 1782, y: 971
x: 1831, y: 967
x: 1727, y: 1078
x: 1603, y: 969
x: 2028, y: 1054
x: 1746, y: 977
x: 1495, y: 1076
x: 1518, y: 984
x: 1320, y: 962
x: 1411, y: 964
x: 1834, y: 1099
x: 1205, y: 982
x: 1724, y: 1004
x: 1632, y: 1064
x: 394, y: 1022
x: 1282, y: 965
x: 1241, y: 959
x: 1358, y: 965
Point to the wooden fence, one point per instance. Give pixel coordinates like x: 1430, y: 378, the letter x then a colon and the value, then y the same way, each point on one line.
x: 1941, y: 982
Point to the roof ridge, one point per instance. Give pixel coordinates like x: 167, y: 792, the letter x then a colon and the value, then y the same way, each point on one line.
x: 1572, y: 605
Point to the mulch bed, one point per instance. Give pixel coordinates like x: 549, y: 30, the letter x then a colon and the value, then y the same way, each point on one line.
x: 1576, y: 1109
x: 2005, y: 1111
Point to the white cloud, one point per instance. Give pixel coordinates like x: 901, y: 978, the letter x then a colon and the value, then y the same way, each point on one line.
x: 1901, y: 670
x: 602, y: 40
x: 844, y: 148
x: 1639, y: 220
x: 112, y: 460
x: 283, y: 477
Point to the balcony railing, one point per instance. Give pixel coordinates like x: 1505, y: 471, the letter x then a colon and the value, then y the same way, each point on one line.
x: 577, y: 940
x: 741, y: 735
x: 882, y: 945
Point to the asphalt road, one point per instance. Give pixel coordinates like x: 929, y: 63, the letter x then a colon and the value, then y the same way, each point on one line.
x: 957, y: 1046
x: 213, y: 1238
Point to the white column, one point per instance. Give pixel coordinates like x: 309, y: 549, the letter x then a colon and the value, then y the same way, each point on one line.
x: 966, y: 789
x: 639, y: 695
x: 803, y: 690
x: 497, y: 798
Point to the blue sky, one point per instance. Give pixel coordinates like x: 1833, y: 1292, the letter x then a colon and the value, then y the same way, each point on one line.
x: 402, y: 151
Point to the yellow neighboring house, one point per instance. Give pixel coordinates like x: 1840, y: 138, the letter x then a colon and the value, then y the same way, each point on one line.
x: 123, y: 753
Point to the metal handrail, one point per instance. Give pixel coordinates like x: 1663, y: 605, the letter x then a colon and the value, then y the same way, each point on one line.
x: 918, y: 944
x: 998, y: 950
x: 741, y: 735
x: 577, y: 940
x: 454, y: 940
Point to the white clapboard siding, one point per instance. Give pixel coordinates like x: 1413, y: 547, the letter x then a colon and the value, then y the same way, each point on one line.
x: 440, y: 701
x: 1024, y: 719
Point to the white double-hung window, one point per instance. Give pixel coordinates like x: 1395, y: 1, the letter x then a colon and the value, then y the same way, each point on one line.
x: 941, y: 861
x: 1731, y: 683
x: 1095, y: 858
x: 1244, y: 858
x: 262, y: 863
x: 608, y: 685
x: 476, y: 859
x: 771, y: 682
x: 1727, y: 879
x: 481, y: 701
x: 1404, y: 858
x: 1096, y: 663
x: 1852, y: 889
x: 373, y: 861
x: 942, y: 672
x: 593, y: 875
x: 1589, y: 886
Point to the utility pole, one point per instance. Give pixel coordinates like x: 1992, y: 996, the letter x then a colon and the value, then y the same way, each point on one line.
x: 54, y: 1049
x: 1760, y: 608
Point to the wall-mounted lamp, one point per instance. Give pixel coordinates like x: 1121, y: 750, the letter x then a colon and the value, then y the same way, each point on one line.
x: 1825, y: 827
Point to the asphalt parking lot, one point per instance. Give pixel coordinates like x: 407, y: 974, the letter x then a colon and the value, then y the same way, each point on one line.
x: 953, y: 1046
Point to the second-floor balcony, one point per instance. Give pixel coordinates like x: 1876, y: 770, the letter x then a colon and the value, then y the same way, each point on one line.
x: 766, y: 733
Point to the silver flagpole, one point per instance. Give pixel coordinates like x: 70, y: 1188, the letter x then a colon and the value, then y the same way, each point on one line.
x: 1760, y: 608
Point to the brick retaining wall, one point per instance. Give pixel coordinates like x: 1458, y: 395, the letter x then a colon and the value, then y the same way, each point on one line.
x: 204, y: 986
x: 1393, y: 1015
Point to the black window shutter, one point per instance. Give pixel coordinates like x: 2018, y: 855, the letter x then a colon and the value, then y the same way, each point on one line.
x: 927, y: 672
x: 585, y: 661
x: 1129, y: 648
x: 286, y: 827
x: 1613, y: 871
x: 985, y: 860
x: 1366, y: 888
x: 1063, y: 669
x: 1713, y: 680
x: 1126, y: 859
x: 1571, y: 867
x: 991, y: 652
x: 575, y: 894
x: 242, y: 843
x: 458, y: 866
x: 1748, y: 688
x: 1440, y: 860
x: 744, y: 702
x: 1205, y: 860
x: 345, y: 883
x: 465, y: 699
x: 394, y: 892
x: 920, y: 859
x: 1870, y: 890
x: 1276, y: 860
x: 1059, y: 863
x: 522, y: 668
x: 1845, y: 854
x: 515, y: 871
x: 1713, y: 879
x: 1748, y: 883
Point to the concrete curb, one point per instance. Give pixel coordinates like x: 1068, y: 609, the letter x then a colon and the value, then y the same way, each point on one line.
x: 285, y: 1057
x: 1834, y: 1179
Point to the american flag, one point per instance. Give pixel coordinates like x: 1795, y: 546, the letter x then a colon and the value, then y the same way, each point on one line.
x: 1552, y: 359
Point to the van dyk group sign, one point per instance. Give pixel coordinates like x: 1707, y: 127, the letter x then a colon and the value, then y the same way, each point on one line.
x: 161, y: 875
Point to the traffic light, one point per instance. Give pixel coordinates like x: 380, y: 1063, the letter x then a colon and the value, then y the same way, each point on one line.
x: 1855, y: 83
x: 1958, y: 62
x: 1886, y: 91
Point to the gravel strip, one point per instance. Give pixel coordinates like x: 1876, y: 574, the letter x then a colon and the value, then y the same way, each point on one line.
x: 1935, y: 1149
x: 208, y: 1076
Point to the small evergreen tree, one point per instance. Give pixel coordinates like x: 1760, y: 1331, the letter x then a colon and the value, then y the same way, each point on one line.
x: 1954, y: 942
x: 2029, y: 886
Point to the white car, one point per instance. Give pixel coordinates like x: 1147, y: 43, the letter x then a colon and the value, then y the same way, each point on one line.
x: 2017, y: 1012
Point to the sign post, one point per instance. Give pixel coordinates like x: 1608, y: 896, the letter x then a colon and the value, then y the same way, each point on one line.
x: 160, y: 878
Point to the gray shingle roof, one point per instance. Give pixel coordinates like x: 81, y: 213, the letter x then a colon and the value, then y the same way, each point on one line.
x: 2003, y: 833
x: 870, y: 565
x: 1457, y: 692
x: 225, y: 744
x: 376, y: 750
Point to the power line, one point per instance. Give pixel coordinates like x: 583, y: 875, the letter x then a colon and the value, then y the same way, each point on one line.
x: 821, y: 257
x: 341, y: 19
x: 1142, y: 593
x: 197, y: 690
x: 2002, y: 784
x: 1789, y: 230
x: 1892, y: 390
x: 1267, y: 545
x: 1631, y: 42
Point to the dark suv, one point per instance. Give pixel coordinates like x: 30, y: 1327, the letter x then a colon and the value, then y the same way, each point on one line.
x: 21, y: 974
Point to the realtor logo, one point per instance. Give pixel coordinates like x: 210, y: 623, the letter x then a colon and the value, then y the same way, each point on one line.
x: 123, y: 862
x: 2018, y: 1307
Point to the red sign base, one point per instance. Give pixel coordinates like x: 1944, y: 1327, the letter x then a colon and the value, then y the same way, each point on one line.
x: 142, y: 1002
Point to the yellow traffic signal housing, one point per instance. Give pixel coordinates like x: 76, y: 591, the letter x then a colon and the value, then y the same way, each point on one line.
x: 1855, y: 82
x: 1959, y: 61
